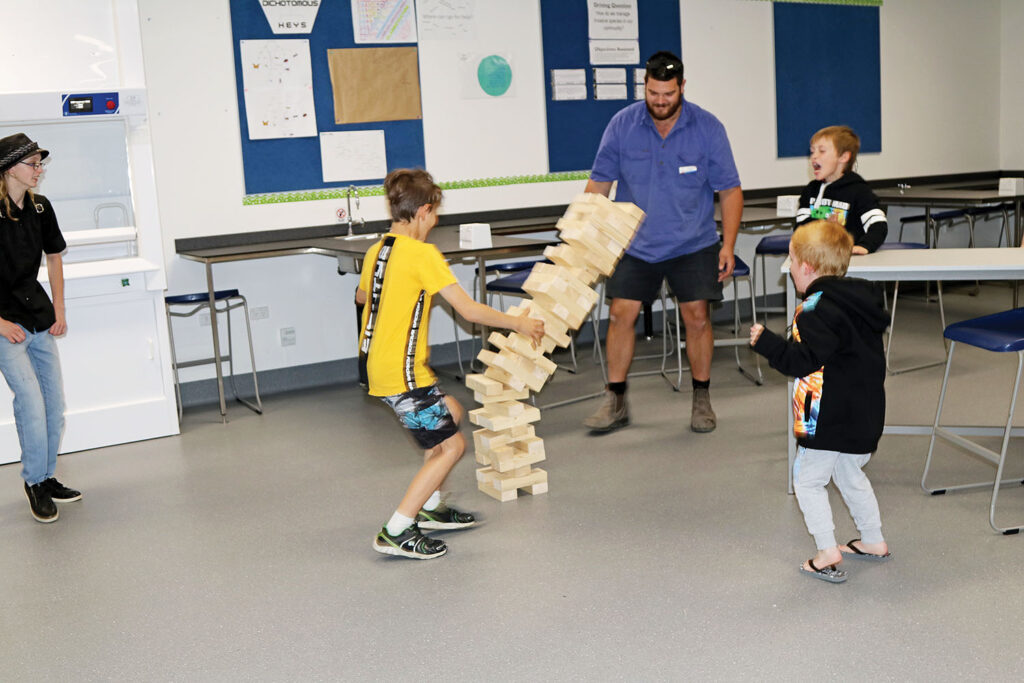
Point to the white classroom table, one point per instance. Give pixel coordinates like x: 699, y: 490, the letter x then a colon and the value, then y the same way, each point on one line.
x: 920, y: 265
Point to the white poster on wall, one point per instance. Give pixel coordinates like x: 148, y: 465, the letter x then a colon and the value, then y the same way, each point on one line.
x: 614, y: 52
x: 612, y: 19
x: 383, y: 21
x: 290, y: 17
x: 277, y: 81
x: 353, y: 155
x: 446, y: 19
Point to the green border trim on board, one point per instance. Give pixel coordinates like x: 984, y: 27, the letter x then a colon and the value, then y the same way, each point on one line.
x: 866, y: 3
x: 378, y: 190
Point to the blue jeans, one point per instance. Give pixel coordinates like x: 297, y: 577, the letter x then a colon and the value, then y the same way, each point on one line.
x: 32, y: 371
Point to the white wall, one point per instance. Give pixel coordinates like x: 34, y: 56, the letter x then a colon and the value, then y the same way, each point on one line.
x: 1011, y: 110
x: 941, y: 63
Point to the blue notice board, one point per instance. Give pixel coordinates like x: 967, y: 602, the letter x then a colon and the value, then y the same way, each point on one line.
x: 290, y: 164
x: 575, y: 126
x: 827, y: 72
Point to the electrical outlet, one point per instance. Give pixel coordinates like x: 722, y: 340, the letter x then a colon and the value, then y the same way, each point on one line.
x: 259, y: 312
x: 287, y: 336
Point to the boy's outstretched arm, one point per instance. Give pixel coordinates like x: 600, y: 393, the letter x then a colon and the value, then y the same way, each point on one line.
x: 796, y: 358
x: 476, y: 312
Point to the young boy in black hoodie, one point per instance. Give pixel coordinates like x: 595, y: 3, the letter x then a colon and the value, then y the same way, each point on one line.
x: 838, y: 194
x: 836, y: 354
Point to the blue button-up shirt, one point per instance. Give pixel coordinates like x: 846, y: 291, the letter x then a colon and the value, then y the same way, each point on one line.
x: 673, y: 180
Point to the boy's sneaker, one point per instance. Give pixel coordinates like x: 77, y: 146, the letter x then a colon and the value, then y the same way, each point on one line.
x: 43, y: 507
x: 61, y: 493
x: 444, y: 517
x: 410, y: 543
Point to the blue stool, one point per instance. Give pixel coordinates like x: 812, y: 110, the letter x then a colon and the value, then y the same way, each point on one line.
x: 740, y: 270
x: 889, y: 246
x: 1000, y: 333
x: 937, y: 218
x: 772, y: 245
x: 229, y: 299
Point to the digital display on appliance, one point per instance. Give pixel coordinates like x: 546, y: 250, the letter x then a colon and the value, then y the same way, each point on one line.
x: 80, y: 105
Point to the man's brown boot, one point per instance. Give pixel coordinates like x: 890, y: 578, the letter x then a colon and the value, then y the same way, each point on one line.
x: 613, y: 413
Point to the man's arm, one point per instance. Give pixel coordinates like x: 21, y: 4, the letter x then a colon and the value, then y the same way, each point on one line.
x: 55, y: 272
x: 731, y: 201
x: 599, y: 187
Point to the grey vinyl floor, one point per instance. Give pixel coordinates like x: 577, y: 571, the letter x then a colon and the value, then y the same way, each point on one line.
x: 242, y: 551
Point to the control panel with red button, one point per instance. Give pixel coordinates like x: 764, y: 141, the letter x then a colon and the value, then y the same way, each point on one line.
x: 90, y: 104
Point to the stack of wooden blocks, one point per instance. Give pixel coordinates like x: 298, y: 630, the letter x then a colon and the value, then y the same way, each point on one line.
x: 595, y: 232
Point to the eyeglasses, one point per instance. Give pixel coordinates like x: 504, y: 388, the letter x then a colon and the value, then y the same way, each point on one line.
x: 39, y: 166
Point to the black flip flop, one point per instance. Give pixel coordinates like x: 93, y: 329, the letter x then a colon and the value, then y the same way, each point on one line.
x: 861, y: 555
x: 829, y: 573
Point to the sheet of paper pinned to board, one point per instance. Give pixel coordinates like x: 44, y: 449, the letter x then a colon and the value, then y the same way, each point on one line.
x: 353, y: 155
x: 357, y: 79
x: 277, y: 83
x: 383, y: 21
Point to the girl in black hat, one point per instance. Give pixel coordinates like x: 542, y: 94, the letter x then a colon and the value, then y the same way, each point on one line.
x: 30, y: 321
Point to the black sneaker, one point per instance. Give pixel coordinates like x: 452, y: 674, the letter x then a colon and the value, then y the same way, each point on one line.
x: 410, y: 543
x: 43, y: 507
x: 61, y: 493
x: 444, y: 517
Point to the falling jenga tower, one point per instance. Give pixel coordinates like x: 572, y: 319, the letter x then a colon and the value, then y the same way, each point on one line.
x: 595, y: 232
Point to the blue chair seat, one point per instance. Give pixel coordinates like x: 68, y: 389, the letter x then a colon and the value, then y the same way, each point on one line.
x: 773, y: 244
x: 510, y: 284
x: 894, y: 246
x: 512, y: 266
x: 999, y: 332
x: 199, y: 297
x: 740, y: 268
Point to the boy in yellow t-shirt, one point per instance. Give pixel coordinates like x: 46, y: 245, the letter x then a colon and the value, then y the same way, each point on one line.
x: 400, y: 274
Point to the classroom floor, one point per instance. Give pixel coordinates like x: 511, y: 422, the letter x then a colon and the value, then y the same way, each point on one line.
x: 242, y: 551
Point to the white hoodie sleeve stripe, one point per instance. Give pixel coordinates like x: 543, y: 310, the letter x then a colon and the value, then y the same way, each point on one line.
x: 869, y: 218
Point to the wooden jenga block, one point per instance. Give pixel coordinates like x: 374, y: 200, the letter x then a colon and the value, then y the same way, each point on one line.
x: 507, y: 395
x: 484, y: 385
x: 509, y: 408
x: 510, y: 481
x: 503, y: 460
x: 497, y: 422
x: 485, y: 439
x: 533, y: 445
x: 555, y: 328
x: 495, y: 372
x: 523, y: 369
x: 484, y: 486
x: 517, y: 343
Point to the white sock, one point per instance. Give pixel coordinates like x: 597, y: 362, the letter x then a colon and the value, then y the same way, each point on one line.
x: 398, y: 523
x: 433, y: 501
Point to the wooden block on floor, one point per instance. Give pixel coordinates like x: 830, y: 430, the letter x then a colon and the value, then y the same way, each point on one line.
x: 510, y: 481
x: 503, y: 496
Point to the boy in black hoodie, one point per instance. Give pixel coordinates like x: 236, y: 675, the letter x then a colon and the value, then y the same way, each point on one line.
x: 836, y: 354
x: 838, y: 194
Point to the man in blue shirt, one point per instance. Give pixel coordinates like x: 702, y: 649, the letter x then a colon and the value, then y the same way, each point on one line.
x: 669, y: 157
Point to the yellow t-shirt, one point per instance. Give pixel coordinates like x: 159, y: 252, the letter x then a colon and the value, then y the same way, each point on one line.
x: 400, y: 275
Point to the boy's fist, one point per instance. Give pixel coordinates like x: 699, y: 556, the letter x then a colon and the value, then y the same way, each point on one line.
x: 531, y: 327
x: 755, y: 332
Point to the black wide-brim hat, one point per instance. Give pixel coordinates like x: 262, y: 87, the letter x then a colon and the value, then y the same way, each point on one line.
x: 14, y: 148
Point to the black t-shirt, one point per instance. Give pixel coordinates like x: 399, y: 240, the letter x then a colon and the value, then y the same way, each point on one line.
x: 22, y: 244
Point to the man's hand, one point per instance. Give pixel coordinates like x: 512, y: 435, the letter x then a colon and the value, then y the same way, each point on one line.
x: 61, y: 326
x: 726, y: 263
x: 755, y: 332
x: 11, y: 331
x: 859, y: 251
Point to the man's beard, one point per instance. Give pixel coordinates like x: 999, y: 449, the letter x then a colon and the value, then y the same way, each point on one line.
x: 671, y: 112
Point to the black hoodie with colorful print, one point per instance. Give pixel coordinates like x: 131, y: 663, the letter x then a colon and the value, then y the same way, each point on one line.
x: 836, y: 353
x: 851, y: 203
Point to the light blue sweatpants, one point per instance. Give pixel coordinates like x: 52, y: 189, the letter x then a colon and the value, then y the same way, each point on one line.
x: 812, y: 471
